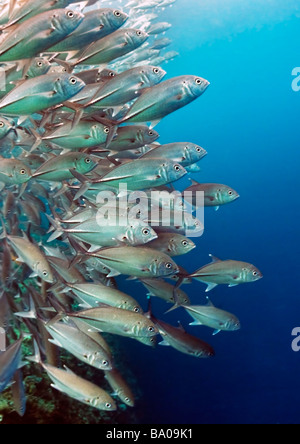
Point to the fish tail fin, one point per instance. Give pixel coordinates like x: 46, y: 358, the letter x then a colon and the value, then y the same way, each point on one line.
x: 36, y: 358
x: 85, y: 184
x: 59, y: 230
x: 175, y: 294
x: 82, y: 254
x: 4, y: 231
x: 67, y: 65
x: 79, y: 111
x: 31, y: 314
x: 38, y: 140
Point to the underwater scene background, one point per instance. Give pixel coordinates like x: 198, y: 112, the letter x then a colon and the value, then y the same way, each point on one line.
x: 248, y: 121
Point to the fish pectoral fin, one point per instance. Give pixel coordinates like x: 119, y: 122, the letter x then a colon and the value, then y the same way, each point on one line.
x: 164, y: 343
x: 214, y: 259
x: 210, y: 287
x: 68, y: 370
x: 113, y: 273
x: 216, y: 332
x: 55, y: 342
x: 195, y: 323
x: 111, y: 179
x: 33, y: 275
x: 57, y: 388
x: 154, y: 123
x: 20, y: 260
x: 233, y: 285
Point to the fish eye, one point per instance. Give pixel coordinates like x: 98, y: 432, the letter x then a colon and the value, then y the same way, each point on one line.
x: 45, y: 273
x: 169, y: 266
x: 230, y: 193
x: 177, y: 168
x: 70, y: 14
x: 156, y: 70
x: 127, y: 399
x: 112, y: 74
x: 198, y: 150
x: 255, y: 273
x: 23, y: 172
x: 88, y: 160
x: 185, y: 243
x: 146, y: 231
x: 136, y: 309
x: 1, y: 124
x: 108, y: 405
x: 39, y: 64
x: 198, y: 81
x: 105, y: 363
x: 106, y: 130
x: 117, y: 13
x: 151, y: 133
x: 73, y: 81
x: 139, y: 33
x: 151, y: 329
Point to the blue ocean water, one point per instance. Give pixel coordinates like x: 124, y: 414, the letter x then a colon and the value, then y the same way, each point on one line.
x: 248, y: 121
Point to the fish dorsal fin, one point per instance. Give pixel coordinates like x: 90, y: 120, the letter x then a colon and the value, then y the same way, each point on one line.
x: 209, y: 303
x: 180, y: 327
x: 194, y: 182
x: 69, y: 371
x: 214, y: 259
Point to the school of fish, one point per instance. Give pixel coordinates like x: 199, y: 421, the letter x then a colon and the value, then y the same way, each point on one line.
x: 82, y: 89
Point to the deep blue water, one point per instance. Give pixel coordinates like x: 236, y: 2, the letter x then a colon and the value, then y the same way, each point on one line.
x: 248, y: 121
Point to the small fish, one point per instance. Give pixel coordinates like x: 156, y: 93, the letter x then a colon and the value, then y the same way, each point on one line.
x: 82, y: 346
x: 182, y: 341
x: 37, y: 34
x: 163, y: 99
x: 84, y: 135
x: 231, y: 273
x: 58, y: 168
x: 31, y: 255
x: 95, y: 26
x: 127, y: 86
x: 117, y: 321
x: 95, y: 294
x: 210, y: 316
x: 10, y: 360
x: 13, y: 172
x: 141, y: 262
x: 184, y: 153
x: 132, y: 137
x: 79, y: 389
x: 37, y: 94
x: 158, y: 28
x: 163, y: 290
x: 31, y: 8
x: 93, y: 76
x: 120, y: 387
x: 65, y: 269
x: 161, y: 43
x: 139, y: 175
x: 215, y: 195
x: 172, y: 244
x: 112, y: 47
